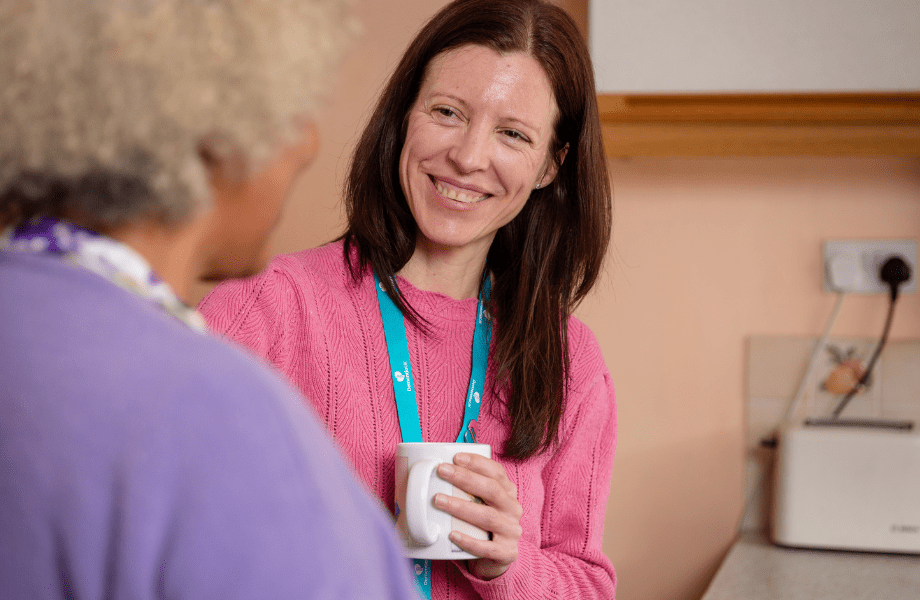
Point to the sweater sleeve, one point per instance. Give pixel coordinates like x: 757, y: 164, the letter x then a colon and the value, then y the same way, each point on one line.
x: 569, y: 563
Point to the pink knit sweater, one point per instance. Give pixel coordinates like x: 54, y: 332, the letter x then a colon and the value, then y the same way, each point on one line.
x: 310, y: 321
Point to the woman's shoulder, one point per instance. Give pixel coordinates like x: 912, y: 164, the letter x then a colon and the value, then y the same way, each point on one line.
x: 280, y: 292
x: 286, y: 273
x: 583, y: 343
x: 323, y: 263
x: 585, y: 355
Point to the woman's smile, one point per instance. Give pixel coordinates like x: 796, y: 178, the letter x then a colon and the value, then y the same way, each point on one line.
x: 459, y: 192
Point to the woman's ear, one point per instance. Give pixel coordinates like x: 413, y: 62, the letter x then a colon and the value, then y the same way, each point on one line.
x: 223, y: 159
x: 553, y: 167
x: 560, y: 156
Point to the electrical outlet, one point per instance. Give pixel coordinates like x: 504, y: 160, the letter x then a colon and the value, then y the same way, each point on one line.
x: 853, y: 266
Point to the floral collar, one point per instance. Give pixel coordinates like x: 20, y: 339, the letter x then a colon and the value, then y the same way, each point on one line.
x: 107, y: 258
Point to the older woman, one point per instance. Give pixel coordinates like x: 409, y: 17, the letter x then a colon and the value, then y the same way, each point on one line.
x: 144, y: 143
x: 481, y: 169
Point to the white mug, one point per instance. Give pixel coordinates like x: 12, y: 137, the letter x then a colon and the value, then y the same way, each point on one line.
x: 424, y: 528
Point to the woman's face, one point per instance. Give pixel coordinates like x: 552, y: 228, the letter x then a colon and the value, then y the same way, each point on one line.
x: 247, y: 210
x: 477, y: 143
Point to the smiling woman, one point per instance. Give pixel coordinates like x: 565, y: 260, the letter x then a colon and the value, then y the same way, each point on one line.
x: 481, y: 168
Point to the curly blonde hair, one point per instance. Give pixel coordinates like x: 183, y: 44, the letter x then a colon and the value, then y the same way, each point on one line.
x: 121, y: 92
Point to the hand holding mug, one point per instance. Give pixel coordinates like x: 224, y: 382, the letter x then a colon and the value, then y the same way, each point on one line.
x: 424, y: 527
x: 499, y: 512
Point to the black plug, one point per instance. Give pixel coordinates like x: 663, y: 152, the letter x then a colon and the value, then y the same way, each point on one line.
x: 894, y: 272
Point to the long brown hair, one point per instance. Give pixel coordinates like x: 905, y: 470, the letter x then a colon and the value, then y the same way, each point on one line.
x: 548, y: 257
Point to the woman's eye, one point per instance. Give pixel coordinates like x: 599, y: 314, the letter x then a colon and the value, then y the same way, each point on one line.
x: 516, y: 135
x: 444, y: 111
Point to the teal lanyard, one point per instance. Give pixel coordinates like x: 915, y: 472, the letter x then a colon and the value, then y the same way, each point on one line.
x: 394, y: 329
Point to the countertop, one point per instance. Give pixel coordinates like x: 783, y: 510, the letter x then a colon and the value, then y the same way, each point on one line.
x: 755, y: 569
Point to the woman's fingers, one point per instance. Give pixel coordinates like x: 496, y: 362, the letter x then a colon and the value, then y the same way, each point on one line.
x: 489, y: 518
x: 481, y: 477
x: 499, y: 511
x: 500, y: 550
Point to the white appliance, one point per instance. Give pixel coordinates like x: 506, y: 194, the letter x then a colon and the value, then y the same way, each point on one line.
x: 847, y: 488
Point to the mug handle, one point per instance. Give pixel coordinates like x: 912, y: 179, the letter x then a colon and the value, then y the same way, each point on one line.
x: 420, y: 530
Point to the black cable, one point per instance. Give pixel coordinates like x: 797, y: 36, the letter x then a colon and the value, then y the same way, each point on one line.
x: 865, y: 377
x: 894, y: 272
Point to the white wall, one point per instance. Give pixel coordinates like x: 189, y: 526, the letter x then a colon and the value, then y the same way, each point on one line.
x: 661, y: 46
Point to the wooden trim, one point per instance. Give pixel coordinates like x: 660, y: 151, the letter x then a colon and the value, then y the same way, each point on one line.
x: 761, y: 124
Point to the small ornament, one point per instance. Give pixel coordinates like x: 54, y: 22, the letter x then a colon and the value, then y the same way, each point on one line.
x: 846, y: 375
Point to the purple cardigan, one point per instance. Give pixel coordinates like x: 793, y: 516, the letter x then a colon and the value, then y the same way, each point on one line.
x: 142, y: 460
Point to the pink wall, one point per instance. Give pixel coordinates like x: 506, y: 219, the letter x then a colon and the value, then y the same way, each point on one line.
x: 705, y: 252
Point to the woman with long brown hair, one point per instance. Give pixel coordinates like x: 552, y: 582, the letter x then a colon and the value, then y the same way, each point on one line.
x: 479, y: 183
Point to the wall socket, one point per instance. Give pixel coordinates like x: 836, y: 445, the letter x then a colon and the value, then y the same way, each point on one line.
x: 853, y: 266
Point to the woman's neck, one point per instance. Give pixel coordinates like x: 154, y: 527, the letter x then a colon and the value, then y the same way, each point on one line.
x: 173, y: 253
x: 457, y: 274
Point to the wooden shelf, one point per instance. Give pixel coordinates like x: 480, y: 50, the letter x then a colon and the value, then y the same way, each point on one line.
x: 761, y: 124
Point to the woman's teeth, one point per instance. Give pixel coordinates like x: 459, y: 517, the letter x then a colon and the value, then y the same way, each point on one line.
x: 458, y: 196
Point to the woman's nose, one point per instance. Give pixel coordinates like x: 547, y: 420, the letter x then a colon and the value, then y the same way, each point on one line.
x: 471, y: 150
